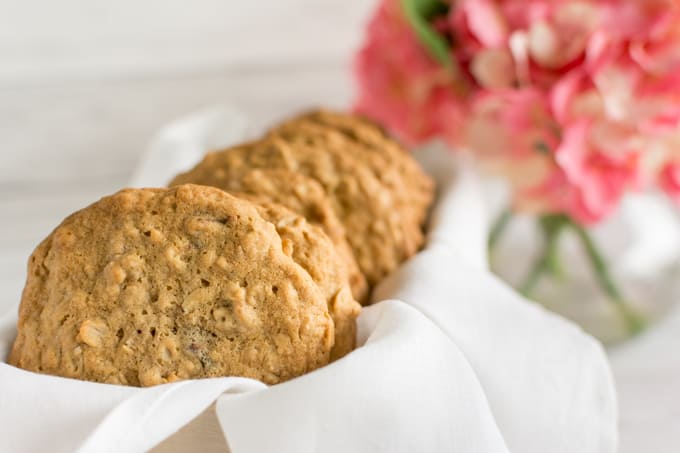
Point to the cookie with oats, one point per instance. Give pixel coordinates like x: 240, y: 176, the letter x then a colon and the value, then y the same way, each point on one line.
x: 314, y: 251
x: 296, y: 192
x: 149, y: 286
x: 393, y: 163
x: 381, y: 235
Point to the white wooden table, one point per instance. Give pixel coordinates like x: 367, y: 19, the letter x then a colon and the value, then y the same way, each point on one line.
x: 85, y: 84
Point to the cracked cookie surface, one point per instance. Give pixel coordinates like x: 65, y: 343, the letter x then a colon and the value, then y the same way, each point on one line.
x: 394, y: 165
x: 381, y: 236
x: 149, y: 286
x: 313, y: 250
x: 295, y: 191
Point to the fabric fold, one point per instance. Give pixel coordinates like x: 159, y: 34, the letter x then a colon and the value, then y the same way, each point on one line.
x: 408, y: 388
x: 450, y: 359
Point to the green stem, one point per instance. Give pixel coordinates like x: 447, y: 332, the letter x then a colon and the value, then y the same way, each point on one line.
x: 530, y: 282
x: 498, y: 227
x: 548, y: 261
x: 634, y: 322
x: 552, y: 226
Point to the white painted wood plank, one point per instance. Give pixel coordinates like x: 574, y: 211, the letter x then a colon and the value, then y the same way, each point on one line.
x: 78, y: 132
x: 43, y: 39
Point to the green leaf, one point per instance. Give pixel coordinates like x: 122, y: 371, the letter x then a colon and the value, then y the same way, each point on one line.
x: 419, y: 14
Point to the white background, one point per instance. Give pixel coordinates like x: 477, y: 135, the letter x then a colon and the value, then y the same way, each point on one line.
x: 84, y: 84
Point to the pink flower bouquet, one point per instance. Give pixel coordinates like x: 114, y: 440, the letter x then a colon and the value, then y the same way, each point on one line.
x: 574, y: 102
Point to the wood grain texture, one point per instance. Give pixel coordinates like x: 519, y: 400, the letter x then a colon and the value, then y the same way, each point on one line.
x: 78, y: 39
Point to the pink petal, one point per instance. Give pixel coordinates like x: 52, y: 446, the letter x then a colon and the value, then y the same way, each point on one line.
x: 486, y: 22
x: 572, y: 151
x: 493, y: 68
x: 669, y: 180
x: 564, y: 92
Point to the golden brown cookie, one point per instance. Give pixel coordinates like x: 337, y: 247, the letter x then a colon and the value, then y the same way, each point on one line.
x: 295, y: 191
x: 381, y: 235
x: 393, y: 164
x: 154, y: 285
x: 313, y: 250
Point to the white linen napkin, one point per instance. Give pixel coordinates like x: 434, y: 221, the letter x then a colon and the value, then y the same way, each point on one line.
x: 450, y: 359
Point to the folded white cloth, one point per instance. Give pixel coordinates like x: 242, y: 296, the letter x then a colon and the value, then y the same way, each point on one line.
x: 451, y: 360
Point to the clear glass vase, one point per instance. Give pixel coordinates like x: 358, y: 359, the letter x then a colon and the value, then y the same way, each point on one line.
x: 614, y: 279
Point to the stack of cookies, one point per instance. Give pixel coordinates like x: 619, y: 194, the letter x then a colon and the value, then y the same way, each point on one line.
x: 250, y: 264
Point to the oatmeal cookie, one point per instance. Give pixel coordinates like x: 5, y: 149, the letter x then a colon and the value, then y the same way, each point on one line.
x: 313, y: 250
x: 296, y: 192
x: 393, y: 164
x: 381, y: 236
x: 149, y: 286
